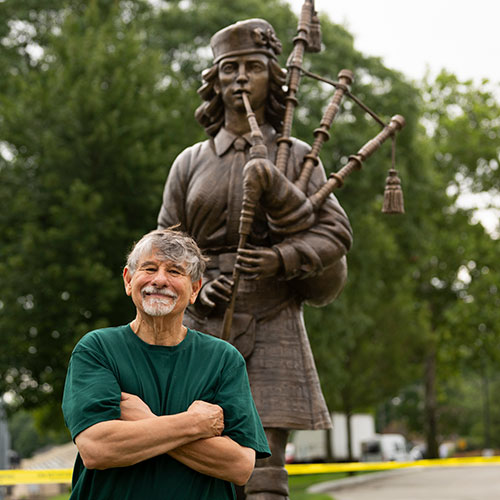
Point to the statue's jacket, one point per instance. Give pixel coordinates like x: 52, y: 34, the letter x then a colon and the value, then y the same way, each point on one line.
x: 203, y: 194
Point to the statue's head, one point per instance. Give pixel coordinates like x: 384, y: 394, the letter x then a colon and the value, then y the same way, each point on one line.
x: 244, y: 38
x: 253, y: 36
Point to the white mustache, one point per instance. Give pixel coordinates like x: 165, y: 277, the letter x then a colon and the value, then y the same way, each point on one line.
x: 158, y: 291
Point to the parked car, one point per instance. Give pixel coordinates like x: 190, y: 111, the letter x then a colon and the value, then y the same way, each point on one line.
x: 384, y: 448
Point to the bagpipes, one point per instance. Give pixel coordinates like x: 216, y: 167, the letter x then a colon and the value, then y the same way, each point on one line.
x: 260, y: 174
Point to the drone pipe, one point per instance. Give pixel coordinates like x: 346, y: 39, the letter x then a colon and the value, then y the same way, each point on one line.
x: 296, y: 58
x: 321, y: 134
x: 355, y: 162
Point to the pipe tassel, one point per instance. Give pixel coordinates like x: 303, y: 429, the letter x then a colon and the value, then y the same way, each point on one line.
x: 393, y: 194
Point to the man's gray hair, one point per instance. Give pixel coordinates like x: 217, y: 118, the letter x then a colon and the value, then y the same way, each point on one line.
x: 169, y: 244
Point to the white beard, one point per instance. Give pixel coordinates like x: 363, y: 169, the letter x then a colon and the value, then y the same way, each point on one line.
x: 158, y: 306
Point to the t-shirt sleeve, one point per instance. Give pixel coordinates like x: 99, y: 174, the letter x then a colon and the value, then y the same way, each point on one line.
x: 91, y: 392
x: 241, y: 420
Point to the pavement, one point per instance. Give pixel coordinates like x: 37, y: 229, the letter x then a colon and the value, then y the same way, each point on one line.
x: 418, y: 483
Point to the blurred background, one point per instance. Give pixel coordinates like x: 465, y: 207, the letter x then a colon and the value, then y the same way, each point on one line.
x: 97, y: 99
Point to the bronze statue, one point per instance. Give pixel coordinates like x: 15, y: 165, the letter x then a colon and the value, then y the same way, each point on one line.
x: 289, y: 246
x: 204, y: 193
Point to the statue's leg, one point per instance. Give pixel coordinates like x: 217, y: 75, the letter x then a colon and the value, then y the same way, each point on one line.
x: 269, y: 480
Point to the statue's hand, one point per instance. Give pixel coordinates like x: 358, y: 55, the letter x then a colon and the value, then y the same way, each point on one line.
x: 216, y: 291
x: 258, y: 263
x: 288, y: 209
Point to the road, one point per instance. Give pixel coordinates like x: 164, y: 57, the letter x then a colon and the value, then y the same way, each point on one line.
x: 443, y: 483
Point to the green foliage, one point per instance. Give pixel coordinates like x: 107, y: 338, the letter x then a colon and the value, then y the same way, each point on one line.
x: 90, y: 133
x: 26, y: 437
x: 363, y: 343
x: 463, y: 118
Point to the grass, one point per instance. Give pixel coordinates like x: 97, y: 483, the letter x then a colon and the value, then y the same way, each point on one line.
x: 62, y: 496
x: 299, y: 484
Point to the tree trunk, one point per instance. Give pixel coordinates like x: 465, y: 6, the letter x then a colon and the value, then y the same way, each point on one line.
x: 347, y: 408
x: 349, y: 436
x: 328, y: 446
x: 431, y: 404
x: 486, y: 409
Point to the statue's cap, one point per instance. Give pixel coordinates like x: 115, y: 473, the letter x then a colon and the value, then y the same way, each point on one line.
x: 245, y: 37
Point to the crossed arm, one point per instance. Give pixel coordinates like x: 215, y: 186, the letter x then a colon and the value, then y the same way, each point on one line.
x: 192, y: 437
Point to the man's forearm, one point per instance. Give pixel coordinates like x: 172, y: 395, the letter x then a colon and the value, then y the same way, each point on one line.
x: 219, y: 457
x: 116, y: 443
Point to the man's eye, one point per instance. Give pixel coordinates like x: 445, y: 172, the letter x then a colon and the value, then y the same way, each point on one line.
x: 150, y: 269
x: 228, y: 68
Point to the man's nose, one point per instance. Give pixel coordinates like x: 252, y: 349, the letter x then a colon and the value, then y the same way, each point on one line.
x: 161, y: 278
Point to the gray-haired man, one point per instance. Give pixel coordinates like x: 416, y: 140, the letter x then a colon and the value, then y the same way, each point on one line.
x: 158, y: 410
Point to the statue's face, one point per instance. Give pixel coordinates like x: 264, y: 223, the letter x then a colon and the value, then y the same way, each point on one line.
x: 249, y: 73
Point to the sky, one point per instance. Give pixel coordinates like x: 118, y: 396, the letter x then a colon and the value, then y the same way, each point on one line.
x: 413, y: 37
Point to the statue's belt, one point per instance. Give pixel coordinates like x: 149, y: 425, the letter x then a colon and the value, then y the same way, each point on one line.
x: 244, y: 328
x: 224, y: 262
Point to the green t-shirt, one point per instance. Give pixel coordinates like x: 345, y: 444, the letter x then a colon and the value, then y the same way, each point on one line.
x: 168, y: 379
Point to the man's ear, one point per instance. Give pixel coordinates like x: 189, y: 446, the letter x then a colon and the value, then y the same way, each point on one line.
x: 217, y: 86
x: 195, y: 287
x: 127, y: 279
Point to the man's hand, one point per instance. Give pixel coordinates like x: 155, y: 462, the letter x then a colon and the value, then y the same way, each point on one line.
x: 134, y: 408
x: 216, y: 291
x: 258, y: 263
x: 210, y: 418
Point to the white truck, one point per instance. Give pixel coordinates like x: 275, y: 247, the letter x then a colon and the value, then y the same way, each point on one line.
x: 311, y: 446
x: 385, y: 447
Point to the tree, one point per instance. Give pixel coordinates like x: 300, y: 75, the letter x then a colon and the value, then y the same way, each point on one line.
x: 89, y: 134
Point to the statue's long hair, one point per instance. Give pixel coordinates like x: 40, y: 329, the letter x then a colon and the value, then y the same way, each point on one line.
x: 210, y: 113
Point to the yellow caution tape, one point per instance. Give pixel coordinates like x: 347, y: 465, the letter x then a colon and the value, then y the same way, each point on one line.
x: 295, y: 469
x: 35, y: 476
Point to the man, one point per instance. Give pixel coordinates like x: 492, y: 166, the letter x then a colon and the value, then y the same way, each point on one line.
x: 203, y: 193
x: 158, y: 410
